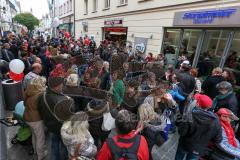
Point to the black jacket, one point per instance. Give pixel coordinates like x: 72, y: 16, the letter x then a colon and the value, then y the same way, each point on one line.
x: 186, y: 82
x: 7, y: 55
x: 195, y: 135
x: 60, y: 106
x: 230, y: 102
x: 14, y: 50
x: 153, y: 134
x: 209, y: 85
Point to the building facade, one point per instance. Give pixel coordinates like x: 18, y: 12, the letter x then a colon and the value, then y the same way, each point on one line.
x: 193, y: 28
x: 9, y: 8
x: 63, y: 10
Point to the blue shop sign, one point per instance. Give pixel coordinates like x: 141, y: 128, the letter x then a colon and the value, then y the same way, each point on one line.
x: 218, y: 17
x: 207, y: 17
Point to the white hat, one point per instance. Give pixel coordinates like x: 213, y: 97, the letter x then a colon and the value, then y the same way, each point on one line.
x: 185, y: 62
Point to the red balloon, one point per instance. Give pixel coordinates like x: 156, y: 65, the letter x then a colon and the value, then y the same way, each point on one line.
x: 16, y: 77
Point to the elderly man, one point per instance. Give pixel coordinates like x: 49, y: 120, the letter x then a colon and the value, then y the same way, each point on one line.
x: 36, y: 70
x: 226, y: 98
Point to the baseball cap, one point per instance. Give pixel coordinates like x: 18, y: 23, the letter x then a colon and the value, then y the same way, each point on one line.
x: 227, y: 112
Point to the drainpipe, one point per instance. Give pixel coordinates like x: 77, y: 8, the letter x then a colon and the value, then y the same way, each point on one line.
x: 74, y: 18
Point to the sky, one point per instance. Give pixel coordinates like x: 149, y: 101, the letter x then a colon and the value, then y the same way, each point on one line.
x: 39, y: 7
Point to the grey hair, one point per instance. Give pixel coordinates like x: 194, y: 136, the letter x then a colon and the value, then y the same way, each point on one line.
x: 224, y: 85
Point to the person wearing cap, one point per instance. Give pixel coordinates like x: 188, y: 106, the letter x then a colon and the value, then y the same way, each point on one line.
x: 77, y: 138
x: 186, y: 82
x: 55, y: 108
x: 210, y: 83
x: 229, y: 147
x: 197, y: 131
x: 226, y: 98
x: 95, y: 110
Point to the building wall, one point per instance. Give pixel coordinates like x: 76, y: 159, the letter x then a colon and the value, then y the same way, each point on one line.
x: 145, y: 19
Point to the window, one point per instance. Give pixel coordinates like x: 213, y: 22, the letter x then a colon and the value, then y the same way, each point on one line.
x: 60, y: 10
x: 70, y: 7
x: 67, y: 6
x: 122, y: 2
x: 107, y: 4
x: 95, y: 5
x: 64, y: 9
x: 85, y: 6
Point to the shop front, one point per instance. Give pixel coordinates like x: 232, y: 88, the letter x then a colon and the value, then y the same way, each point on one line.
x: 208, y: 38
x: 67, y: 25
x: 114, y: 30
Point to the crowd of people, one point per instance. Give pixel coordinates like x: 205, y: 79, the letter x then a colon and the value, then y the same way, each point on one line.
x: 145, y: 101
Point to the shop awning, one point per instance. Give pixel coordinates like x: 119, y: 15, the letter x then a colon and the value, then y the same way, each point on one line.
x: 116, y: 29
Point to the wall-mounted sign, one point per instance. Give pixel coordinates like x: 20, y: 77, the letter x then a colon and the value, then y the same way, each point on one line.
x: 113, y: 22
x: 211, y: 17
x: 140, y: 44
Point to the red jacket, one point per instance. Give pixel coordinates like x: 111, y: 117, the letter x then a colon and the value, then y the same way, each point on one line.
x: 143, y: 153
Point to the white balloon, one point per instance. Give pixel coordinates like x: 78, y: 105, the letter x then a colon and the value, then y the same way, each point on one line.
x: 16, y: 66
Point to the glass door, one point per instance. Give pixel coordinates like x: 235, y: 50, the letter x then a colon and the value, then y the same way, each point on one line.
x: 189, y: 43
x: 171, y: 45
x: 212, y: 50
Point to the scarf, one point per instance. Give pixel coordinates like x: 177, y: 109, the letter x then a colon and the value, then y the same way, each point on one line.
x: 229, y: 132
x: 219, y: 97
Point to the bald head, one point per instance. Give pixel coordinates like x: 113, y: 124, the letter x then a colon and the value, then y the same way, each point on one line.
x: 37, y: 68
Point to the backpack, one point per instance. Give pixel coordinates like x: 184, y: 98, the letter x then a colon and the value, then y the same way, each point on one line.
x: 124, y: 153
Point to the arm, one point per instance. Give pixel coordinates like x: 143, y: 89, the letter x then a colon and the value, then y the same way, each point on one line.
x: 228, y: 148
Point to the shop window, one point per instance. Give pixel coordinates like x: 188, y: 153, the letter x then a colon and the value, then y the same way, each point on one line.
x: 95, y: 5
x: 171, y: 44
x: 123, y: 2
x: 106, y: 3
x: 232, y: 63
x: 85, y: 6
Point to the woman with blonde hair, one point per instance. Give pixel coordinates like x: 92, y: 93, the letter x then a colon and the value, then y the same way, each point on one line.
x: 77, y: 138
x: 32, y: 117
x: 152, y: 126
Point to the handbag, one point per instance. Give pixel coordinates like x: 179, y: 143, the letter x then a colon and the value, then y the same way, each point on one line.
x: 108, y: 122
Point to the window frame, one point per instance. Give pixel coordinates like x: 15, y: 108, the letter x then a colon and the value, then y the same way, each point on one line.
x: 85, y: 7
x: 123, y: 2
x: 95, y: 6
x: 107, y: 4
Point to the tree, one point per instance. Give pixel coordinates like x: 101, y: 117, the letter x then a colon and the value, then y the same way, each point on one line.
x: 26, y: 19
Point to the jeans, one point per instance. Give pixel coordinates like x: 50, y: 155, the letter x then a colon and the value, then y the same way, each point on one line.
x: 58, y: 150
x: 181, y: 154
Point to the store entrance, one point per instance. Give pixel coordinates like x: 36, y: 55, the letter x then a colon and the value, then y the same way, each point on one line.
x: 205, y: 48
x: 115, y: 34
